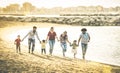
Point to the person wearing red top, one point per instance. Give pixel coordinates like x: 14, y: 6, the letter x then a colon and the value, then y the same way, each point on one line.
x: 51, y: 37
x: 17, y: 43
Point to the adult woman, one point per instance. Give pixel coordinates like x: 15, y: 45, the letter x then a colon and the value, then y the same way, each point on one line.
x: 84, y: 38
x: 63, y: 41
x: 51, y: 37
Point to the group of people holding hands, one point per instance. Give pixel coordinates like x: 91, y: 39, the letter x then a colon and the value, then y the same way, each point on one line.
x: 84, y: 38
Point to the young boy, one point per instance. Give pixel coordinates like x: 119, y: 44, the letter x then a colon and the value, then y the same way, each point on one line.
x: 17, y: 43
x: 43, y: 47
x: 74, y: 48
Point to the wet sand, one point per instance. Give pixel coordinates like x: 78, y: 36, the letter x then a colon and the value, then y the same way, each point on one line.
x: 13, y: 62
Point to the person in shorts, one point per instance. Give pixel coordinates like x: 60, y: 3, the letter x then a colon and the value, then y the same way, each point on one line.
x: 84, y: 38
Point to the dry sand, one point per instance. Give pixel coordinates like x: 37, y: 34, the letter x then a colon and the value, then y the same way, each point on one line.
x: 11, y: 62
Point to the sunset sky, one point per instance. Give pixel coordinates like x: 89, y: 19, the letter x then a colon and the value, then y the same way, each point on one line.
x: 63, y: 3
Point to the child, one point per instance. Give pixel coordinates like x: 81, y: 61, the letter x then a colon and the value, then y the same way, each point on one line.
x: 43, y: 47
x: 74, y: 47
x: 17, y: 43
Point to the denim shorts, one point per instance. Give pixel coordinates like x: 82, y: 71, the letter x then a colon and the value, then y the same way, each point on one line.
x: 64, y: 46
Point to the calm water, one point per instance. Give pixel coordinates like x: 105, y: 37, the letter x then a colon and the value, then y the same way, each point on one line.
x: 104, y: 45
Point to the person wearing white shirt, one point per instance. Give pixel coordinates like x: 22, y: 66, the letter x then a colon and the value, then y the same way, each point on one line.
x: 84, y: 38
x: 31, y: 38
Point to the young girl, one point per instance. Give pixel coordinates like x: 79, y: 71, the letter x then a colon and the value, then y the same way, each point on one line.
x: 74, y: 48
x: 17, y: 43
x: 43, y: 47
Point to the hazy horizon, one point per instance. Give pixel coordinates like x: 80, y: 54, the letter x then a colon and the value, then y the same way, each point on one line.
x: 62, y: 3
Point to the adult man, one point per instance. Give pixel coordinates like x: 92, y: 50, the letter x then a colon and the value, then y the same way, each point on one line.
x: 31, y: 38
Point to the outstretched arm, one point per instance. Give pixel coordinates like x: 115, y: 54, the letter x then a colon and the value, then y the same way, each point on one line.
x: 38, y: 37
x: 25, y: 37
x: 89, y: 38
x: 47, y: 38
x: 68, y: 41
x: 56, y: 38
x: 15, y: 42
x: 79, y: 40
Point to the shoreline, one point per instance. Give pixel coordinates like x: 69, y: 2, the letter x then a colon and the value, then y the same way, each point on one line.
x: 77, y: 65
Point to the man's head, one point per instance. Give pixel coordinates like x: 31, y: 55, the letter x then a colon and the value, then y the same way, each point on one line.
x: 34, y: 28
x: 74, y: 41
x: 43, y: 41
x: 83, y: 30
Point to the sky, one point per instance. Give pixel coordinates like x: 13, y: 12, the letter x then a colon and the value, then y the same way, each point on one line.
x: 63, y: 3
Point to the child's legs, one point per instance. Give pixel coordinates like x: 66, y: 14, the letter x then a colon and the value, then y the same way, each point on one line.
x: 41, y: 51
x: 19, y: 48
x: 16, y: 48
x: 75, y: 52
x: 44, y: 51
x: 74, y: 55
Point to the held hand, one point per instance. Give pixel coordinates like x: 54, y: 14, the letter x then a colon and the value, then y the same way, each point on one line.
x: 22, y: 40
x: 70, y: 44
x: 58, y: 40
x: 46, y: 41
x: 88, y: 40
x: 78, y: 44
x: 15, y: 43
x: 40, y: 42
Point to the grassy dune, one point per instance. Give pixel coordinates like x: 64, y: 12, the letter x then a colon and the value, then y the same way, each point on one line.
x: 36, y: 63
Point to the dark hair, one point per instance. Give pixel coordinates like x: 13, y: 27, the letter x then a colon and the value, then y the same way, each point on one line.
x: 18, y: 36
x: 65, y: 31
x: 75, y: 41
x: 34, y: 27
x: 52, y: 28
x: 43, y: 41
x: 83, y: 29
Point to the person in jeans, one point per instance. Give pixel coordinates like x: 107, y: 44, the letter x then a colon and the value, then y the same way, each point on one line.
x: 85, y: 38
x: 17, y: 43
x: 31, y: 38
x: 51, y: 37
x: 63, y: 41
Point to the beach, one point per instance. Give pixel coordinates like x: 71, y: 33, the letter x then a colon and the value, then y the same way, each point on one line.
x: 12, y: 62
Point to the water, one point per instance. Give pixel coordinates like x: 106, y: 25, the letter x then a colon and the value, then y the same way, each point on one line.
x: 104, y: 45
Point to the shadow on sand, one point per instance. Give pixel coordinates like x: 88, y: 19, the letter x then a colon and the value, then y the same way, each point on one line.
x: 42, y: 56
